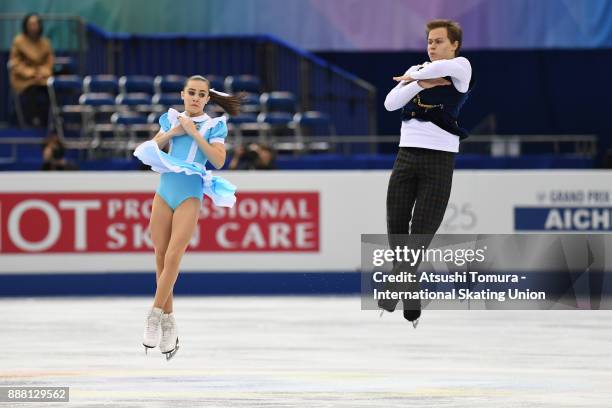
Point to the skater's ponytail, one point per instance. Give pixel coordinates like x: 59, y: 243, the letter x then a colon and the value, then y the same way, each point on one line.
x: 229, y: 103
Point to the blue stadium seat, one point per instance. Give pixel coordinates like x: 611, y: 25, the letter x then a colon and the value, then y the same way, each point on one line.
x: 97, y: 109
x: 64, y: 92
x: 97, y: 99
x: 129, y: 118
x: 66, y: 89
x: 242, y: 118
x: 275, y: 118
x: 278, y: 102
x: 135, y: 101
x: 278, y: 129
x: 244, y: 124
x: 164, y: 101
x: 314, y: 123
x: 242, y: 83
x: 131, y: 129
x: 168, y: 83
x: 136, y: 83
x: 250, y: 103
x: 101, y: 83
x: 277, y: 113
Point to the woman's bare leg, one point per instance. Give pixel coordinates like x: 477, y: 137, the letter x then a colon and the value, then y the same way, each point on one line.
x: 161, y: 229
x: 184, y: 222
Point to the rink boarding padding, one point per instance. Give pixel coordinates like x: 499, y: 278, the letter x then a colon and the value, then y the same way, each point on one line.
x: 291, y: 232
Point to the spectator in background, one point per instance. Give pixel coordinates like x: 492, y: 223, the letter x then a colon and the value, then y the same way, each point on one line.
x: 53, y: 155
x: 31, y: 64
x: 253, y: 157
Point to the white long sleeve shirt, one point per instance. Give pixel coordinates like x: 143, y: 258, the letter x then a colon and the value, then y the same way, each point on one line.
x: 424, y: 134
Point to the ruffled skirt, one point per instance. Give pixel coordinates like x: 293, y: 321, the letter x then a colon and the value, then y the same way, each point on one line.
x: 221, y: 191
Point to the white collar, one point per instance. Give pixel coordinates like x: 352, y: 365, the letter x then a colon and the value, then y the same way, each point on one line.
x: 173, y: 115
x: 200, y: 118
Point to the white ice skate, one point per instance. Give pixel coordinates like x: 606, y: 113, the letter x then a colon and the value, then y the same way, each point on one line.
x: 169, y: 343
x: 151, y: 331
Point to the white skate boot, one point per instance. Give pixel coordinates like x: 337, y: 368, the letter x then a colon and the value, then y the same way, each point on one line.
x: 151, y: 331
x: 169, y: 343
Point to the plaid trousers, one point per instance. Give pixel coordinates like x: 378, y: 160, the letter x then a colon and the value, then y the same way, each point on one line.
x: 418, y: 191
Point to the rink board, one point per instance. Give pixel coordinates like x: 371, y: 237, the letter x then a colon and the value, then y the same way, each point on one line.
x: 291, y: 232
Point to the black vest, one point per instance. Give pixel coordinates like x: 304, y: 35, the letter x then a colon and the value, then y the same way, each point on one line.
x: 440, y: 105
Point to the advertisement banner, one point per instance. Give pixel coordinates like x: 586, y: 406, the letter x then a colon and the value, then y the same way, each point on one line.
x: 284, y: 221
x: 118, y: 222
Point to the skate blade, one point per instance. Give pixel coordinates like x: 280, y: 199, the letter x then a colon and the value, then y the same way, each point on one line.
x: 147, y: 348
x: 415, y: 323
x: 170, y: 354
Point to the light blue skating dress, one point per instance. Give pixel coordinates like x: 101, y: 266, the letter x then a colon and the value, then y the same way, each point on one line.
x: 183, y: 169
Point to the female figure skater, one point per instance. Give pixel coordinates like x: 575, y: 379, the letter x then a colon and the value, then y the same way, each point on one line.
x: 193, y: 138
x: 430, y: 96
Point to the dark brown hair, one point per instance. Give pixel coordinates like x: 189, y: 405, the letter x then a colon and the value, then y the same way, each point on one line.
x: 230, y: 103
x: 24, y: 25
x: 452, y: 28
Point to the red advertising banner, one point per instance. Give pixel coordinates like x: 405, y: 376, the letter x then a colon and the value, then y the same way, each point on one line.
x: 118, y: 222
